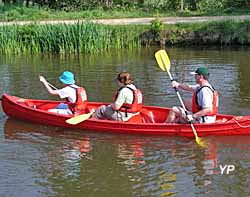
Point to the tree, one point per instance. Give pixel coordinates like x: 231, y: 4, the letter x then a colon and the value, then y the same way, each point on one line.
x: 182, y: 6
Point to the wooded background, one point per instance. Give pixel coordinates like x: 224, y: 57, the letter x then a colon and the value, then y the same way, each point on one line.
x: 173, y: 5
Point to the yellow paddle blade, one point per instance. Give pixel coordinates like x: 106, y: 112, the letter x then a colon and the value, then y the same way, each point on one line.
x: 79, y: 118
x: 198, y: 140
x: 163, y: 60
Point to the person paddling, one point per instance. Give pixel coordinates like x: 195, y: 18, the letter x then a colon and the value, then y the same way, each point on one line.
x: 75, y: 96
x: 127, y: 101
x: 205, y: 100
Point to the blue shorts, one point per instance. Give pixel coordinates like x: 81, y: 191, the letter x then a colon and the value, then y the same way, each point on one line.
x: 62, y: 106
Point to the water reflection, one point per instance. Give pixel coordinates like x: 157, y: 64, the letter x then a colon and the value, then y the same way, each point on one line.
x: 62, y: 161
x: 132, y: 154
x: 77, y: 148
x: 210, y: 163
x: 57, y: 150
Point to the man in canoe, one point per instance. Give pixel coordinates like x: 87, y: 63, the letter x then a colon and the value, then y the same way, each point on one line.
x: 127, y: 101
x: 75, y: 96
x: 204, y: 106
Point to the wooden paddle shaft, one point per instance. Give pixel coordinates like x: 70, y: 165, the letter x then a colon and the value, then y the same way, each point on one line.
x: 52, y: 86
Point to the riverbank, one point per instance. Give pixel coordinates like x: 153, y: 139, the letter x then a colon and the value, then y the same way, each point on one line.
x: 92, y: 37
x: 135, y: 21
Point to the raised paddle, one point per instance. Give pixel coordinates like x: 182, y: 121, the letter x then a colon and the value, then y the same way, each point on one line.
x: 79, y: 118
x: 52, y: 86
x: 164, y: 63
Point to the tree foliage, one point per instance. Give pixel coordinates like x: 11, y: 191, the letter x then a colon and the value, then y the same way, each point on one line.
x: 173, y: 5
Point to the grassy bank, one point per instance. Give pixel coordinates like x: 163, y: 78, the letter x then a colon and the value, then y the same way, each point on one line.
x: 77, y: 38
x: 22, y: 13
x: 209, y: 33
x: 91, y: 38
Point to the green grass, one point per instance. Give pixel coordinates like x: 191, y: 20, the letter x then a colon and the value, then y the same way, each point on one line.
x: 11, y: 13
x: 217, y: 33
x: 21, y: 13
x: 92, y: 38
x: 60, y: 38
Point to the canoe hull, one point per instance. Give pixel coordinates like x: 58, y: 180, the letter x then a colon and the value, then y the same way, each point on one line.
x: 153, y: 120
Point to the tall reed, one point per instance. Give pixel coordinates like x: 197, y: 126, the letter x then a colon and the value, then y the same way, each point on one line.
x: 62, y: 38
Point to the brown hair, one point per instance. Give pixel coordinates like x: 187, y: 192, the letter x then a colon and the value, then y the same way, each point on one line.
x: 124, y: 78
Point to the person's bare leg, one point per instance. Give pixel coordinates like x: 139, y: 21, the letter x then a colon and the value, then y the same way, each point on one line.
x: 173, y: 115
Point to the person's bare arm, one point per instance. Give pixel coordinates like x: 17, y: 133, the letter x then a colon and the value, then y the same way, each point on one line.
x: 45, y: 83
x: 115, y: 106
x: 182, y: 86
x: 203, y: 112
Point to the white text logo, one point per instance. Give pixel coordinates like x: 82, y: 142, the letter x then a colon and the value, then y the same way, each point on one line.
x: 226, y: 169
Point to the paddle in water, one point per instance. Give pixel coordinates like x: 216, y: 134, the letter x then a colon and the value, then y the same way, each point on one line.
x: 164, y: 64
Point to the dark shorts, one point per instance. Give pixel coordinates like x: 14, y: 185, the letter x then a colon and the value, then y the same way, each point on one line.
x: 106, y: 112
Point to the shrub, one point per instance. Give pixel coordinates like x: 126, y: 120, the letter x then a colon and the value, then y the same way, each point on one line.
x: 156, y: 26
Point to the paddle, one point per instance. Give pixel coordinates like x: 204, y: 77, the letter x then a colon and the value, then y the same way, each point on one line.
x: 52, y: 86
x: 164, y: 63
x: 80, y: 118
x: 76, y: 119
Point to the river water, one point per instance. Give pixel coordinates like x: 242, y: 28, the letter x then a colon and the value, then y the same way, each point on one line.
x: 41, y: 160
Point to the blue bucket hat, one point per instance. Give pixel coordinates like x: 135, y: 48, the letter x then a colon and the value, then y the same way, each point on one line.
x: 67, y: 78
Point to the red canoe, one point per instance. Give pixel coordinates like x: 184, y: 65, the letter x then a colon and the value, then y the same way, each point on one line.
x: 151, y: 120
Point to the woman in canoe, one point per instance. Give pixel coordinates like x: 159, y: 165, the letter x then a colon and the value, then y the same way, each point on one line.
x: 127, y: 101
x: 75, y: 96
x: 205, y: 101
